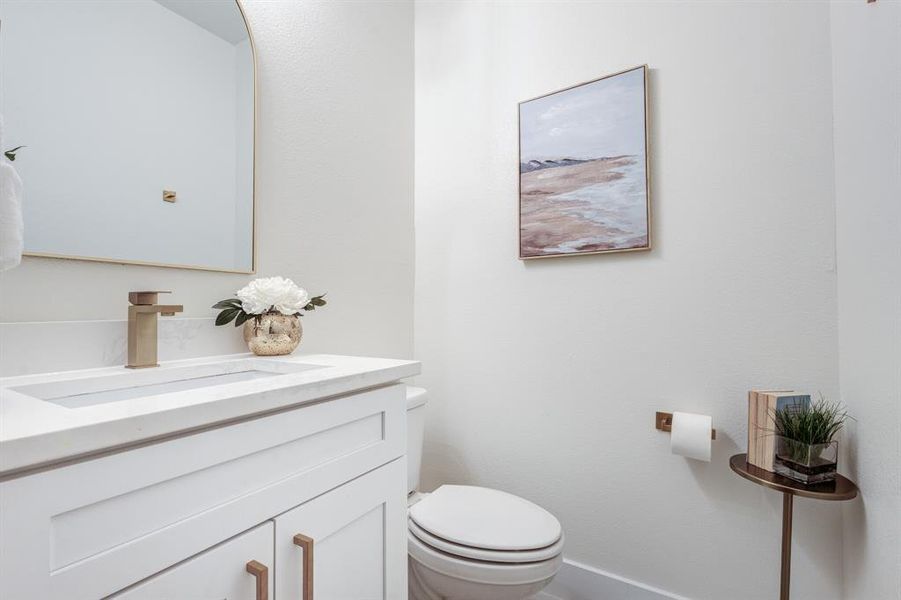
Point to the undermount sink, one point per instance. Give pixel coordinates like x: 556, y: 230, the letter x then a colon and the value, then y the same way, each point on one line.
x: 91, y: 391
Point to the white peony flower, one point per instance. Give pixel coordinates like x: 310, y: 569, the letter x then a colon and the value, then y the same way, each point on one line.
x: 272, y: 293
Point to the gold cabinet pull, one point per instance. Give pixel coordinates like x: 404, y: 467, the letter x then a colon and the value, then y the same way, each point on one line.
x: 261, y: 574
x: 306, y: 582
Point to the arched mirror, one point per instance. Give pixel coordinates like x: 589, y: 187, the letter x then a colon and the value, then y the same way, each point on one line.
x: 137, y: 119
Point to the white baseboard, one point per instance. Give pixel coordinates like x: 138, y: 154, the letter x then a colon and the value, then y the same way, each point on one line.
x: 576, y: 581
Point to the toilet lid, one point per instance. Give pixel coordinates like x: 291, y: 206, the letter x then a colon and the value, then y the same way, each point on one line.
x: 484, y: 518
x: 480, y: 554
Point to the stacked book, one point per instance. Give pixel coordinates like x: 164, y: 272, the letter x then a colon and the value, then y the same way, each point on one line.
x: 762, y: 407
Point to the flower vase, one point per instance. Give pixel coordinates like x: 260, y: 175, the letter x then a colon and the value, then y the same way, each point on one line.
x: 273, y: 334
x: 806, y: 463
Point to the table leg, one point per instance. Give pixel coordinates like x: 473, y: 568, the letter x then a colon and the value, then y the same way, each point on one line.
x: 785, y: 578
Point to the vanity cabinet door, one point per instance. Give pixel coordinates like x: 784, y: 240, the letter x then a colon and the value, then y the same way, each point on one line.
x: 238, y: 569
x: 357, y: 533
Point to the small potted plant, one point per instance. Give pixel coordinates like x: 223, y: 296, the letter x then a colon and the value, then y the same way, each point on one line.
x: 806, y: 449
x: 270, y: 309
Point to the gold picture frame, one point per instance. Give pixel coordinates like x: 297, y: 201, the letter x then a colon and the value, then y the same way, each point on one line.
x: 564, y: 213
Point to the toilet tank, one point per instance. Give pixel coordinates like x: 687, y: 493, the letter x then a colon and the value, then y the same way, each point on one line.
x: 416, y: 399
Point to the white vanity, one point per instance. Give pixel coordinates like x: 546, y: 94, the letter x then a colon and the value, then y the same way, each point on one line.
x: 233, y: 477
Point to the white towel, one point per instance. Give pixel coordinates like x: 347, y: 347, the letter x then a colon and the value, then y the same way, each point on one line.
x: 11, y: 226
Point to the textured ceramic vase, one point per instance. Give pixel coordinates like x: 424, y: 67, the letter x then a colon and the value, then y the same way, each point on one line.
x: 273, y: 334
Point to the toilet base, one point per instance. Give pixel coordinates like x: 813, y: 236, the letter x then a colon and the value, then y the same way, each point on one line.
x: 427, y: 584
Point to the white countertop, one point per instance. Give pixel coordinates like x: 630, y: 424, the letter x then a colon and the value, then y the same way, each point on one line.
x: 35, y: 432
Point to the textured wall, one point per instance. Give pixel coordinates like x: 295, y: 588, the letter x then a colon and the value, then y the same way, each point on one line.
x: 334, y: 187
x: 545, y: 375
x: 866, y: 55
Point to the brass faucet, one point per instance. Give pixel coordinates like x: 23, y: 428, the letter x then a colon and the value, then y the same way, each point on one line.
x: 142, y: 327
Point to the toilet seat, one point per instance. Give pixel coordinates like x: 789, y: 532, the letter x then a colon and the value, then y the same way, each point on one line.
x: 481, y: 554
x: 472, y: 571
x: 479, y: 519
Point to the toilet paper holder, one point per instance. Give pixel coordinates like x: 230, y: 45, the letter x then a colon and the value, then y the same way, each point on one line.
x: 664, y: 422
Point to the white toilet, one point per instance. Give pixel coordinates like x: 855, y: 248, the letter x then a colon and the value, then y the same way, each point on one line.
x: 473, y: 543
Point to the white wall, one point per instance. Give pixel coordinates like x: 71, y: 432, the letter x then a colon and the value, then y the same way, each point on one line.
x: 334, y: 190
x: 545, y: 375
x: 117, y: 102
x: 866, y: 52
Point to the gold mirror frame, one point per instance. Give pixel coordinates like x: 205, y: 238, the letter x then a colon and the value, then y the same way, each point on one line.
x: 253, y: 217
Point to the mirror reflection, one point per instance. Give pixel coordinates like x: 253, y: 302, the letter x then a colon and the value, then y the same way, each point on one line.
x: 138, y: 122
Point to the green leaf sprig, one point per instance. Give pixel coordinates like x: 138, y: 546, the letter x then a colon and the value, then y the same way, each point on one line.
x: 11, y: 154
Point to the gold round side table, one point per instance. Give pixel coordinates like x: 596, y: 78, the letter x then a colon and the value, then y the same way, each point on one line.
x: 840, y: 489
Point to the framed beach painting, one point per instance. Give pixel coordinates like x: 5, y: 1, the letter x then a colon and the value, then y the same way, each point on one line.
x: 583, y: 169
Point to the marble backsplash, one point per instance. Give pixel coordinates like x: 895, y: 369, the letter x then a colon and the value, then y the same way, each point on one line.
x: 47, y: 346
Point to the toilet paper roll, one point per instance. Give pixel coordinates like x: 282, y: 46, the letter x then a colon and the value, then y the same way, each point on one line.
x: 691, y: 435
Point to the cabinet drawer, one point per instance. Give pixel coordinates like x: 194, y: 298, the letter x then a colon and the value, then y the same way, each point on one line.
x: 221, y: 573
x: 86, y: 530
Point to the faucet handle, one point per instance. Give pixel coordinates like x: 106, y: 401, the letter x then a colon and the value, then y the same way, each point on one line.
x: 145, y: 298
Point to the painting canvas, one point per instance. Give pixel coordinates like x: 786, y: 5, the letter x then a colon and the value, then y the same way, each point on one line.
x: 583, y: 171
